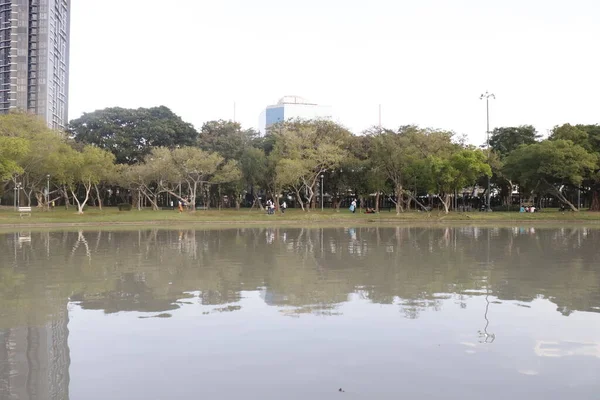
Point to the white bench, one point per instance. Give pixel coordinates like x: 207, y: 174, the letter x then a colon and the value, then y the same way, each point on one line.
x: 24, y: 211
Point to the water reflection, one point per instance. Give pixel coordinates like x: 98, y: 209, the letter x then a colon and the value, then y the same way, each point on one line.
x: 491, y: 272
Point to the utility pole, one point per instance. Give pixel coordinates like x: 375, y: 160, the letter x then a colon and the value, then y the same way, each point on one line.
x: 322, y: 176
x: 487, y: 96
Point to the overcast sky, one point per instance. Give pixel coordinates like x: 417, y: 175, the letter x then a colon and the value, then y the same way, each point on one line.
x: 426, y: 62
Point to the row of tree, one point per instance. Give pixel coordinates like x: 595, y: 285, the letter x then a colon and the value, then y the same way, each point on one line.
x: 148, y: 156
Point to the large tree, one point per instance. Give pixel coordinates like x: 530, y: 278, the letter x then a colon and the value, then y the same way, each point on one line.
x: 401, y: 155
x: 550, y: 166
x: 456, y: 170
x: 130, y: 134
x: 503, y: 141
x: 588, y: 137
x: 304, y: 150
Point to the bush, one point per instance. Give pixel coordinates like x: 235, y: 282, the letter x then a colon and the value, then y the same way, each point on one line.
x: 125, y: 207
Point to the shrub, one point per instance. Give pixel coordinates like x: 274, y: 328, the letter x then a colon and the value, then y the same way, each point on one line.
x: 125, y: 207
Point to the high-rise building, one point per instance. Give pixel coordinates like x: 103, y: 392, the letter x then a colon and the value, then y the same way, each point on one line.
x: 291, y: 107
x: 34, y: 58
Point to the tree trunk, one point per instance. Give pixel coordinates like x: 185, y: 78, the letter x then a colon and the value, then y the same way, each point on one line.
x: 299, y: 199
x: 81, y: 204
x: 445, y: 202
x: 595, y: 206
x: 398, y: 201
x: 66, y: 196
x: 377, y: 195
x: 417, y: 202
x: 98, y: 197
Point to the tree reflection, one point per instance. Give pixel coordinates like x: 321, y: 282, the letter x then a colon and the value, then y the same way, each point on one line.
x: 300, y: 270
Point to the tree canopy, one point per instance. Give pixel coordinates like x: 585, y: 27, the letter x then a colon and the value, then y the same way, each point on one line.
x: 130, y: 134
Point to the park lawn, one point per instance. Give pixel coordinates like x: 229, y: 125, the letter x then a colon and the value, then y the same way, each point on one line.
x: 111, y: 215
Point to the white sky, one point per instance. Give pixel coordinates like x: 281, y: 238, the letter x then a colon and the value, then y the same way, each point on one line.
x: 426, y: 62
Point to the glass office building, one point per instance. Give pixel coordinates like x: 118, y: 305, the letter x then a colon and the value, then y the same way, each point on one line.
x: 292, y: 107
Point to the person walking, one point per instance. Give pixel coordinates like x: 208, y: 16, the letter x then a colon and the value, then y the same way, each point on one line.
x: 283, y: 207
x: 353, y: 206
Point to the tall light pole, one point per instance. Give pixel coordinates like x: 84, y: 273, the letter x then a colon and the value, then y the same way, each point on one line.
x: 487, y: 96
x: 322, y: 176
x: 48, y: 191
x: 18, y: 194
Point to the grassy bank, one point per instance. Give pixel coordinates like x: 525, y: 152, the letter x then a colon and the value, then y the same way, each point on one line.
x: 110, y: 216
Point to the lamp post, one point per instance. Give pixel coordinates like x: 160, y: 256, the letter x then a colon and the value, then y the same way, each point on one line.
x: 18, y: 188
x: 487, y: 96
x: 48, y: 191
x: 322, y: 176
x: 15, y: 197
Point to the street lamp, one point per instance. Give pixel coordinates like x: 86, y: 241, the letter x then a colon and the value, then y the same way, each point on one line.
x: 15, y: 196
x: 48, y: 191
x: 18, y: 189
x: 487, y: 96
x: 322, y: 176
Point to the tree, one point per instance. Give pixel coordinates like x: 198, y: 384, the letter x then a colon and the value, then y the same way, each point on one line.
x: 552, y: 164
x: 254, y: 168
x: 588, y: 137
x: 226, y: 138
x: 400, y: 156
x: 230, y: 176
x: 87, y: 168
x: 455, y: 171
x: 196, y: 167
x: 305, y: 150
x: 130, y: 134
x: 505, y: 140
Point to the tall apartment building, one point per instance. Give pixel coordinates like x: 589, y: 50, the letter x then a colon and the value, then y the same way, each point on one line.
x: 34, y: 58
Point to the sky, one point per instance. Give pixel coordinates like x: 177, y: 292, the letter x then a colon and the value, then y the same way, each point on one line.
x: 425, y: 62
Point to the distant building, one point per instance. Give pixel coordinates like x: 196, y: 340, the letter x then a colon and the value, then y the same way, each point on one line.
x: 34, y: 58
x: 292, y: 107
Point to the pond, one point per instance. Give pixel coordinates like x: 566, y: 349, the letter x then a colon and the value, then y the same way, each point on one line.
x: 461, y: 312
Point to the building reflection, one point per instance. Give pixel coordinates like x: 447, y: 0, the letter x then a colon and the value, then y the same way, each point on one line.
x: 34, y: 361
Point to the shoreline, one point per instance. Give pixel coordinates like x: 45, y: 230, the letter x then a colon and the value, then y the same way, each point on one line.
x: 172, y: 224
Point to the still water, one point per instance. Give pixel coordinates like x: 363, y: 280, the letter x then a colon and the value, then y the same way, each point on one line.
x: 292, y: 313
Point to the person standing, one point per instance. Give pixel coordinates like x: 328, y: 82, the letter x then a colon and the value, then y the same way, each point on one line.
x: 353, y: 206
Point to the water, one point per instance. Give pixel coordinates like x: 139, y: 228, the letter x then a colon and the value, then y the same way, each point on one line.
x: 291, y: 313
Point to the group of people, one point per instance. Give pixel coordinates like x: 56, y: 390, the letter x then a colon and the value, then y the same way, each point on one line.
x: 270, y: 206
x: 353, y: 206
x: 528, y: 209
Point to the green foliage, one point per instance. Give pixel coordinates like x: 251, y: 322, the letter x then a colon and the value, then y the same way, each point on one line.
x: 226, y: 138
x: 553, y: 161
x: 11, y: 150
x: 131, y: 134
x: 125, y: 207
x: 505, y: 140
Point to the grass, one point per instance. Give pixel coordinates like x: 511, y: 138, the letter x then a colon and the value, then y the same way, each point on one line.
x: 112, y: 216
